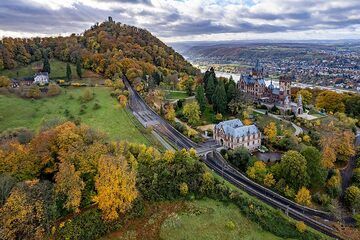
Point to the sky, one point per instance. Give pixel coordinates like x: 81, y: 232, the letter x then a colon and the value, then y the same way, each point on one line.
x: 188, y: 20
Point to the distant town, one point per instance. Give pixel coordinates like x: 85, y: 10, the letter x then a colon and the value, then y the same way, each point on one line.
x: 330, y: 66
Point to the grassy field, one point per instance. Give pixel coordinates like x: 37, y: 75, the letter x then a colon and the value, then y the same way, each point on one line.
x: 17, y: 112
x: 175, y: 94
x: 201, y: 219
x: 209, y: 219
x: 58, y: 71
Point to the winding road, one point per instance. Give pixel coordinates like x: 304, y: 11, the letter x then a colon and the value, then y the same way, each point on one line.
x: 213, y: 159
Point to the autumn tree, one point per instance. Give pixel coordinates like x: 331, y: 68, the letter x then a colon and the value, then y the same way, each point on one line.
x: 271, y: 131
x: 69, y: 184
x: 293, y: 169
x: 330, y: 101
x: 53, y: 89
x: 258, y: 171
x: 192, y: 112
x: 170, y: 113
x: 352, y: 197
x: 300, y: 226
x: 4, y: 81
x: 26, y: 213
x: 269, y: 180
x: 122, y: 100
x: 34, y: 92
x: 200, y: 97
x: 115, y: 186
x: 68, y: 72
x: 328, y: 157
x: 306, y: 96
x: 303, y: 196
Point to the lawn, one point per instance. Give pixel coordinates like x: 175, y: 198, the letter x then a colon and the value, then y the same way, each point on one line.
x: 58, y: 71
x: 119, y: 124
x: 263, y: 120
x: 175, y: 94
x: 200, y: 219
x: 209, y: 219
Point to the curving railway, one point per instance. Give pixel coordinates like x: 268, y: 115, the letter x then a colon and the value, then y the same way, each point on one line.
x: 148, y: 117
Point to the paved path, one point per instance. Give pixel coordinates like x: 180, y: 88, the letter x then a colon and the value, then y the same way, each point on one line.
x: 298, y: 130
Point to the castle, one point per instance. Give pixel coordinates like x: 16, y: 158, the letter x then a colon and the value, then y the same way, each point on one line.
x: 254, y: 85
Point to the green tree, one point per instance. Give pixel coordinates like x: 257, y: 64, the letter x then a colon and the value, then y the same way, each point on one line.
x: 210, y: 88
x: 200, y: 97
x: 230, y: 90
x: 192, y: 112
x: 68, y: 72
x: 352, y: 197
x: 293, y: 169
x: 46, y: 64
x: 219, y: 98
x: 306, y: 96
x: 78, y: 67
x: 317, y: 173
x: 239, y: 157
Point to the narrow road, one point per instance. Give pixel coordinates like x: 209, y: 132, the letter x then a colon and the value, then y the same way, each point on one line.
x: 298, y: 130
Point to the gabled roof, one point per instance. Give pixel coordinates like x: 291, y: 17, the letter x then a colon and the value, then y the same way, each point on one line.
x: 248, y: 79
x: 236, y: 128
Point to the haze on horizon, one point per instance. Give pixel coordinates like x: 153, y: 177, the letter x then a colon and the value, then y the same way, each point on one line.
x: 188, y: 20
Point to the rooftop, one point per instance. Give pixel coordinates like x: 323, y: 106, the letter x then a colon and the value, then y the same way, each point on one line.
x: 236, y: 128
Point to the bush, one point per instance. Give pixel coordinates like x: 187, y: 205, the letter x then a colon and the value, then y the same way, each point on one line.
x: 88, y: 225
x: 96, y: 106
x: 230, y: 225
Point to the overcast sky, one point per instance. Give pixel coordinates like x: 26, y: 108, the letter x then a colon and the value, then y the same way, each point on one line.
x: 181, y: 20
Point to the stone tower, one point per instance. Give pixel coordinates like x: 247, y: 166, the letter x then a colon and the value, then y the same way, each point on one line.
x: 258, y: 70
x: 285, y: 88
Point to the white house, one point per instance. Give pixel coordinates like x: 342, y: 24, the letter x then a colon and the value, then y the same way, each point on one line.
x: 233, y: 134
x: 41, y: 78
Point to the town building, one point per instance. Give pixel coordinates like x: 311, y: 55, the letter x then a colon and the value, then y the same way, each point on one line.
x: 41, y: 78
x: 233, y: 134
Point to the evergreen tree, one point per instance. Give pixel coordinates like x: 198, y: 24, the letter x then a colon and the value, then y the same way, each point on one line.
x: 210, y: 88
x: 200, y: 97
x: 78, y: 67
x: 219, y: 98
x: 68, y: 72
x: 46, y: 64
x: 230, y: 90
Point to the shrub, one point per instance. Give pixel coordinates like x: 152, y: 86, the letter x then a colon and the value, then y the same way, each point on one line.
x: 300, y: 226
x: 96, y: 106
x: 230, y: 225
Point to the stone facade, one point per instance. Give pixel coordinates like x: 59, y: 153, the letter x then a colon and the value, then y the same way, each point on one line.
x: 233, y: 134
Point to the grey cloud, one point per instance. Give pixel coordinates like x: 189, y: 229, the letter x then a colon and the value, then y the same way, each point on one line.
x: 21, y: 16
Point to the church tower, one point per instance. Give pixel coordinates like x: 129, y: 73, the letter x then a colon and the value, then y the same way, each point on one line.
x: 285, y: 87
x: 258, y: 70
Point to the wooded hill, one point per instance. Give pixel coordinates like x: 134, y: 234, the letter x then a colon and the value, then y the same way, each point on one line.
x: 107, y: 48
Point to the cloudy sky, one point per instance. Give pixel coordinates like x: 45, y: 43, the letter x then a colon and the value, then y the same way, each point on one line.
x: 183, y: 20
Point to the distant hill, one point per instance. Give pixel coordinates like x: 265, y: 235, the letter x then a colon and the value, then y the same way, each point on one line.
x: 108, y: 48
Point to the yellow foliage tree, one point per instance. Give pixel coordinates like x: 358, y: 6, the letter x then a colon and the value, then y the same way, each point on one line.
x: 115, y: 185
x: 170, y: 113
x: 122, y: 100
x: 247, y: 122
x: 69, y: 183
x: 328, y: 157
x: 169, y: 155
x: 303, y: 196
x: 192, y: 112
x: 258, y: 171
x: 184, y: 189
x: 271, y: 131
x: 269, y: 180
x: 300, y: 226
